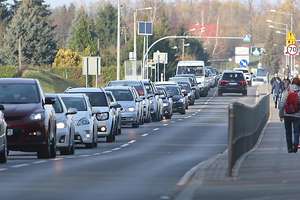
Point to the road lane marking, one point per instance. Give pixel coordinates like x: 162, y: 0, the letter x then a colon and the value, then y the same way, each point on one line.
x: 156, y: 129
x: 116, y: 149
x: 84, y: 156
x: 105, y: 152
x: 71, y: 157
x: 3, y: 169
x: 124, y: 145
x: 131, y: 141
x: 39, y: 162
x: 20, y: 165
x: 179, y: 119
x: 57, y: 159
x: 166, y: 124
x: 96, y: 154
x: 144, y: 135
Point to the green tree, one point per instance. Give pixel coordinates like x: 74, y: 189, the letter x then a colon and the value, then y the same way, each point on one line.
x: 82, y: 37
x: 4, y: 16
x: 31, y: 25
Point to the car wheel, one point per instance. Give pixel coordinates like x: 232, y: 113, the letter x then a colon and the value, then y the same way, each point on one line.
x: 45, y: 151
x: 168, y: 116
x: 183, y: 111
x: 135, y: 125
x: 3, y: 154
x: 244, y: 93
x: 89, y: 145
x: 110, y: 138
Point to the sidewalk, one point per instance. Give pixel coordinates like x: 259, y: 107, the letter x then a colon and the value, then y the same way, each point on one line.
x: 267, y: 173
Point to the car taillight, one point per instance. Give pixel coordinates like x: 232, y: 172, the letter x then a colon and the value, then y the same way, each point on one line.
x: 223, y: 82
x: 243, y: 83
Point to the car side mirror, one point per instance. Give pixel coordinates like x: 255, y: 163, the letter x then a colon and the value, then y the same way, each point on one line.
x: 71, y: 111
x: 1, y: 107
x: 206, y: 75
x: 49, y: 100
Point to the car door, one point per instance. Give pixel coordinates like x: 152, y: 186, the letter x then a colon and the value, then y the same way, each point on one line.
x: 113, y: 110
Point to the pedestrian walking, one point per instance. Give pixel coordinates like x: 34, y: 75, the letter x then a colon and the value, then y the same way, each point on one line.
x: 277, y: 89
x: 289, y: 112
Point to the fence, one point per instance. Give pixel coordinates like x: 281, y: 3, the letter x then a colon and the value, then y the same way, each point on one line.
x: 245, y: 125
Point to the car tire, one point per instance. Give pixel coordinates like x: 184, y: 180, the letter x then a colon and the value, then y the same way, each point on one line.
x: 135, y: 125
x: 49, y: 150
x: 110, y: 138
x: 244, y: 93
x: 168, y: 116
x: 4, y: 154
x: 183, y: 111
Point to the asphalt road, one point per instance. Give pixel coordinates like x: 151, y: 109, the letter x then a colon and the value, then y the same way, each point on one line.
x: 144, y: 163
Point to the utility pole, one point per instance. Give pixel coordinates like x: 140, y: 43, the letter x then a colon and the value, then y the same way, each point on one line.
x: 20, y: 53
x: 118, y: 41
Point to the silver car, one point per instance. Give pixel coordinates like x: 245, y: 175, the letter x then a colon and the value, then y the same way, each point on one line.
x: 65, y: 126
x: 85, y: 122
x: 100, y: 104
x: 125, y: 97
x: 117, y: 109
x: 3, y: 141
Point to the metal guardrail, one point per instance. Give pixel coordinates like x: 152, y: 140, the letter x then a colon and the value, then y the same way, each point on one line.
x: 245, y: 125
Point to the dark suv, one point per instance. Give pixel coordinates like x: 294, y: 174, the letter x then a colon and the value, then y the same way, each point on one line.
x: 30, y: 118
x: 232, y: 82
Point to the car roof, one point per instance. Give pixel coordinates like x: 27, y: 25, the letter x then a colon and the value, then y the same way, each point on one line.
x: 71, y: 95
x: 166, y: 83
x: 18, y: 80
x: 118, y: 88
x: 232, y: 71
x: 83, y: 89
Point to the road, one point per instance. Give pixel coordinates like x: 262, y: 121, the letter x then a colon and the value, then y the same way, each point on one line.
x: 144, y: 163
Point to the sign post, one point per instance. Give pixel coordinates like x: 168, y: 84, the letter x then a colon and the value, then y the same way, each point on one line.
x: 161, y: 58
x: 91, y: 66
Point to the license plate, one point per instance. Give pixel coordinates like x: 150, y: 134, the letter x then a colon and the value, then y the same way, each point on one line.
x: 10, y: 132
x: 232, y: 83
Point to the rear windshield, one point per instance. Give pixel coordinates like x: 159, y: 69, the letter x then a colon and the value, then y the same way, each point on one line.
x: 57, y: 106
x: 75, y: 102
x: 233, y: 76
x: 185, y: 86
x: 137, y: 85
x: 173, y: 90
x: 97, y: 99
x: 242, y: 70
x: 19, y: 93
x: 122, y: 95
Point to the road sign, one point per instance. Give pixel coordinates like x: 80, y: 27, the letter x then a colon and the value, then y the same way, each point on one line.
x: 145, y: 28
x: 242, y: 53
x: 244, y: 63
x: 159, y: 57
x: 291, y: 50
x: 247, y: 38
x: 91, y: 65
x: 291, y: 39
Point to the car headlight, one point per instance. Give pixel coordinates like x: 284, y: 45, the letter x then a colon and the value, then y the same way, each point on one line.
x: 165, y: 104
x: 181, y: 100
x: 144, y: 102
x: 60, y: 125
x: 83, y: 121
x: 131, y: 109
x: 102, y: 116
x: 37, y: 116
x: 151, y: 101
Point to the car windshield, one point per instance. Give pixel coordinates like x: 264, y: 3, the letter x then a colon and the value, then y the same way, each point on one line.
x: 233, y: 76
x: 261, y: 72
x: 185, y: 86
x: 57, y: 106
x: 196, y: 70
x: 75, y: 102
x: 97, y: 99
x: 173, y: 90
x: 19, y: 93
x: 122, y: 95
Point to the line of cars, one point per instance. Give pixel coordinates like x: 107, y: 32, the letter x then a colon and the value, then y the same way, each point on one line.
x: 32, y: 121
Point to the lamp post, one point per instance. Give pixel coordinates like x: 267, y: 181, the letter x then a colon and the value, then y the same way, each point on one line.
x: 183, y: 41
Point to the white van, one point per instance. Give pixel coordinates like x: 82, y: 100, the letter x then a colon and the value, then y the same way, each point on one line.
x: 198, y: 69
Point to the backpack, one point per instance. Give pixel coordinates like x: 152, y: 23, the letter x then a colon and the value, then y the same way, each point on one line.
x: 292, y: 103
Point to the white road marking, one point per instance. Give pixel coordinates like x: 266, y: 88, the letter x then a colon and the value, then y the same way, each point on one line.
x: 156, y: 129
x: 39, y: 162
x: 124, y: 145
x: 96, y: 154
x: 20, y: 165
x: 84, y: 156
x: 131, y: 141
x: 144, y: 135
x: 3, y: 169
x: 116, y: 149
x: 179, y: 119
x: 71, y: 157
x: 166, y: 124
x: 105, y: 152
x: 57, y: 159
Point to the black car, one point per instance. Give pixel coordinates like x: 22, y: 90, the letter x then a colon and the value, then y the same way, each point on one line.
x: 186, y: 87
x: 232, y: 82
x: 179, y: 100
x: 167, y: 102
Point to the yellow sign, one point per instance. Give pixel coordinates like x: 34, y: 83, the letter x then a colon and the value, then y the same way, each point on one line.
x: 291, y: 39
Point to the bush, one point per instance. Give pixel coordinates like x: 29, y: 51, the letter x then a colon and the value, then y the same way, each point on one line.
x: 67, y: 58
x: 8, y: 71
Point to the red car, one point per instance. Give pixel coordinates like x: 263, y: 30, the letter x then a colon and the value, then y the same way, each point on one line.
x: 30, y: 118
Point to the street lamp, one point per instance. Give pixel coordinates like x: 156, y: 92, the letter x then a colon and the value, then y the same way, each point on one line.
x: 183, y: 41
x: 118, y: 40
